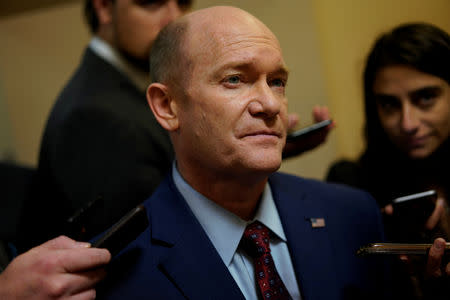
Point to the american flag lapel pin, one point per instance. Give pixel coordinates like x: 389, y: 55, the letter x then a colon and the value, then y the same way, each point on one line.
x: 317, y: 222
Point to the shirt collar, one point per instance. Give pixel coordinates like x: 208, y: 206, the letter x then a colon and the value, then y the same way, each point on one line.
x: 139, y: 78
x: 224, y: 228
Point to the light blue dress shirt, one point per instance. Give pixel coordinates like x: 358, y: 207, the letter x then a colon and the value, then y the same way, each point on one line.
x: 225, y: 231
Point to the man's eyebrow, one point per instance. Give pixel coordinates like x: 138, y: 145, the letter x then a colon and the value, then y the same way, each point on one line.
x: 237, y: 65
x: 281, y: 70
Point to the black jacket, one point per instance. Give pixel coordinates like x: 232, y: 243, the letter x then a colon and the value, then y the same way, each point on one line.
x: 102, y: 148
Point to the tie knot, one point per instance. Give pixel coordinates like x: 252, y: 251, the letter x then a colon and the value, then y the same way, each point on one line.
x: 255, y: 240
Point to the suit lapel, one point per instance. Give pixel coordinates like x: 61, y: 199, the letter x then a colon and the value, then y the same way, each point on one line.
x: 191, y: 262
x: 310, y: 248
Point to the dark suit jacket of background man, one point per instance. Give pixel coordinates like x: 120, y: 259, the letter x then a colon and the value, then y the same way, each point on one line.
x: 174, y: 258
x: 101, y: 142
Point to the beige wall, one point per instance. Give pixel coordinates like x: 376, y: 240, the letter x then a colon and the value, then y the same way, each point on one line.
x: 39, y: 51
x: 347, y: 29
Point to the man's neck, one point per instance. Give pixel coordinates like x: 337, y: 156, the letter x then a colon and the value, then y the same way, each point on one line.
x: 237, y: 197
x: 142, y: 65
x: 121, y: 62
x: 238, y: 194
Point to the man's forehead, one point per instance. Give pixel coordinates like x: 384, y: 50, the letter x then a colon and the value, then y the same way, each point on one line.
x: 247, y: 50
x: 226, y: 30
x: 218, y: 15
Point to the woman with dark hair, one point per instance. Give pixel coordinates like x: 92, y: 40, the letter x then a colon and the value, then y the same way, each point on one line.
x: 407, y: 110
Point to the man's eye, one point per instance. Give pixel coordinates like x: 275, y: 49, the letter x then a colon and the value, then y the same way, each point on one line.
x: 149, y: 2
x: 278, y: 82
x: 182, y: 4
x: 233, y: 79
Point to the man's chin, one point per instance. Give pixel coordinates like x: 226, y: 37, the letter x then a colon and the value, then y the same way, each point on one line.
x: 141, y: 64
x: 266, y: 164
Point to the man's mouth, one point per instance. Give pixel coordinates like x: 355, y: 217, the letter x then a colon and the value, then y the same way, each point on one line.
x: 263, y: 133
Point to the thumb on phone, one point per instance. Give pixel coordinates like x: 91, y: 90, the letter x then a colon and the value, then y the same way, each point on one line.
x: 435, y: 216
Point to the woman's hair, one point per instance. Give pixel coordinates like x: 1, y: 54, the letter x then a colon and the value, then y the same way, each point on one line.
x: 421, y: 46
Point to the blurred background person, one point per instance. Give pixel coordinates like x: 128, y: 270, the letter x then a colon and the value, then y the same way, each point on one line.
x: 407, y: 111
x: 102, y: 151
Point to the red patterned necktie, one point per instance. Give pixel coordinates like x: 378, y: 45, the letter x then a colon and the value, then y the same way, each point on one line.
x: 256, y: 243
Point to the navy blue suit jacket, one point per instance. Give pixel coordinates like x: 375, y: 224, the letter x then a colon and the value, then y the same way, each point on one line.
x: 174, y: 259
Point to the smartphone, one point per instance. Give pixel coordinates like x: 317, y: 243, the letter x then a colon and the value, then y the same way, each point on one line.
x: 78, y: 226
x: 124, y: 231
x: 398, y: 248
x: 416, y: 207
x: 306, y: 131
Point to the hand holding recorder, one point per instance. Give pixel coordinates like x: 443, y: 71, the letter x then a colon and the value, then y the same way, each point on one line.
x: 58, y: 269
x: 309, y: 137
x: 423, y: 209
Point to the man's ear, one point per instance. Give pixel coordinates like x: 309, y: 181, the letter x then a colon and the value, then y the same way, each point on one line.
x: 163, y: 106
x: 104, y: 11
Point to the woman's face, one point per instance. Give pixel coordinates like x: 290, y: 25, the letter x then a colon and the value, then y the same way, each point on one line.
x: 414, y: 109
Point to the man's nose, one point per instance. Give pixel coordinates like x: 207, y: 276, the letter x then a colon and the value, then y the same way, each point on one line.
x: 265, y: 102
x: 410, y: 120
